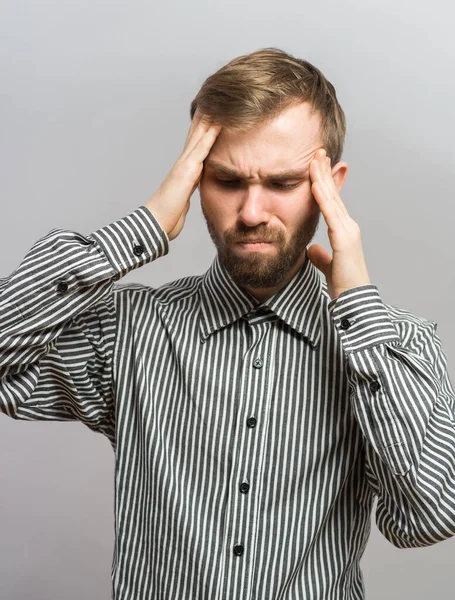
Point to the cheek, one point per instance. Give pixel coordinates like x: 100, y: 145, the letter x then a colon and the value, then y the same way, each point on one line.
x: 298, y: 208
x: 298, y: 216
x: 207, y: 197
x: 213, y: 203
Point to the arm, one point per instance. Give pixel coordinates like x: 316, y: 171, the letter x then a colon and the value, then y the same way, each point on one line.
x: 401, y: 393
x: 58, y: 324
x: 57, y: 313
x: 404, y: 402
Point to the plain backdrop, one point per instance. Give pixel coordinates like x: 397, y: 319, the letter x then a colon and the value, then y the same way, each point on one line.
x: 94, y: 110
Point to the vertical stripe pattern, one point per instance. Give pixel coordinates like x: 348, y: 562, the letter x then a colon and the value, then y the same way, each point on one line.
x: 251, y: 439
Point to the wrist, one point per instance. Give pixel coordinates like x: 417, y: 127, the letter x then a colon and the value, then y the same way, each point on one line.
x: 152, y: 209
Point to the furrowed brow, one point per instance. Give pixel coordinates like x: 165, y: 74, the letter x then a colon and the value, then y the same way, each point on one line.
x: 280, y: 176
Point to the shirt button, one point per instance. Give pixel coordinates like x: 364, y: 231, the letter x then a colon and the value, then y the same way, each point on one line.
x: 257, y: 363
x: 375, y: 386
x: 345, y: 324
x: 238, y: 550
x: 251, y: 422
x: 244, y: 487
x: 138, y: 250
x: 62, y: 287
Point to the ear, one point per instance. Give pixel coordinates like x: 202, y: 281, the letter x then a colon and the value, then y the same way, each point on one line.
x: 339, y: 174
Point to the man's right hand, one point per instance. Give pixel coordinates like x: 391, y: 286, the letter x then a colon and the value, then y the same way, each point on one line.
x: 171, y: 202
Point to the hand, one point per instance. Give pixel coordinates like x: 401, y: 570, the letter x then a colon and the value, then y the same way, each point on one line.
x: 171, y: 202
x: 346, y: 269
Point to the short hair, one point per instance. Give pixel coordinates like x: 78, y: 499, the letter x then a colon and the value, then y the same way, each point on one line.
x: 256, y: 87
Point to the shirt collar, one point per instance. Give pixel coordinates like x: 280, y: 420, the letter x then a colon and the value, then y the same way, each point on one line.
x: 298, y: 303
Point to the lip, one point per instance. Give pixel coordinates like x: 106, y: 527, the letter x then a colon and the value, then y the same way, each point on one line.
x: 254, y: 246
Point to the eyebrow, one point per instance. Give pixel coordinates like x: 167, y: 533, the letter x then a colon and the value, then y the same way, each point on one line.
x: 279, y: 176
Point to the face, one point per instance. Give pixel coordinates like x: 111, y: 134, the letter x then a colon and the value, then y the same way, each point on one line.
x: 256, y: 187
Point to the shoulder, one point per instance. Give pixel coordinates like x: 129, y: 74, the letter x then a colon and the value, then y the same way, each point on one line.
x: 179, y: 290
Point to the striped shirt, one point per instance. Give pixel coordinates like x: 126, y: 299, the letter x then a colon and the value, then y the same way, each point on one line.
x: 251, y: 439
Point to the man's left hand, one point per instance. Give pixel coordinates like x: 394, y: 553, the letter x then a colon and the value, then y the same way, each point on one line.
x: 346, y: 269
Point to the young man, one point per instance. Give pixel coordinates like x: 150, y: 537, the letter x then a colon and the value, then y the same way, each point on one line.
x: 256, y: 411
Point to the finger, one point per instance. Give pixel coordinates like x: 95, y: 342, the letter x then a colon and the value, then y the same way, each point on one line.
x: 194, y: 123
x: 334, y: 211
x: 192, y: 127
x: 196, y: 133
x: 314, y: 173
x: 330, y: 204
x: 332, y: 216
x: 328, y: 186
x: 204, y: 145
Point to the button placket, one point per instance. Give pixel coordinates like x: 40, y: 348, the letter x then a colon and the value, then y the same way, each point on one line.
x: 251, y: 422
x: 249, y: 450
x: 244, y: 487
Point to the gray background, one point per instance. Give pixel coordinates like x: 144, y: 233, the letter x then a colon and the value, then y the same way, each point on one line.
x: 94, y: 110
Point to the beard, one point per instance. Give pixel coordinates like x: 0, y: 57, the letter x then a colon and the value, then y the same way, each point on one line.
x: 261, y: 269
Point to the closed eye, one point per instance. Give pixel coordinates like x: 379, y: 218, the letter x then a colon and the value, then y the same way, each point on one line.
x: 277, y: 184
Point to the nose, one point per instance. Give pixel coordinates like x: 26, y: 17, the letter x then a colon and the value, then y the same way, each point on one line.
x: 254, y: 207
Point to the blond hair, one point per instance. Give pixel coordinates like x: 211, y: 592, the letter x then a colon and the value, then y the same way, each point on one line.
x: 256, y: 87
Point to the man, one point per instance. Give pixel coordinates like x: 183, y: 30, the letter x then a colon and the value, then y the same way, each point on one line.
x: 256, y: 411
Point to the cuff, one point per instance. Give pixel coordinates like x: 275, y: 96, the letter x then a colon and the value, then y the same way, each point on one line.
x: 132, y: 241
x: 362, y: 319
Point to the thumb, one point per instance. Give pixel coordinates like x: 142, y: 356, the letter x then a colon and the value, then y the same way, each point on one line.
x: 320, y: 258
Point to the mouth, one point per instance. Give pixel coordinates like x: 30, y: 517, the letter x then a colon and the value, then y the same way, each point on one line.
x: 256, y: 245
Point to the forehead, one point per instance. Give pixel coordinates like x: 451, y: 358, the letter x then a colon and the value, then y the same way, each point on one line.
x: 289, y: 140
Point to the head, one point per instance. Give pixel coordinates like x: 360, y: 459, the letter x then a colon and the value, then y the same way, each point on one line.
x: 276, y: 111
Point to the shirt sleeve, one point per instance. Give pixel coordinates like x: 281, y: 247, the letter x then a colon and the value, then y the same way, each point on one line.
x: 58, y: 321
x: 404, y: 402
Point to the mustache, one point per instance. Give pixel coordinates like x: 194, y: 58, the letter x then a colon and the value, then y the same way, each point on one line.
x: 254, y: 240
x: 260, y: 235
